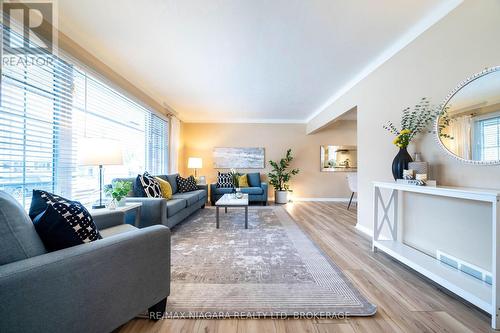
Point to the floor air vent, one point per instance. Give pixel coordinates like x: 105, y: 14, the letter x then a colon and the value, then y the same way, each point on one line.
x: 464, y: 266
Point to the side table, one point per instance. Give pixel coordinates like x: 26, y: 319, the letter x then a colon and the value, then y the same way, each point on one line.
x: 129, y: 206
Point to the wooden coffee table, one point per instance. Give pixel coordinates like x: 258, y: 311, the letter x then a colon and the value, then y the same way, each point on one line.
x: 229, y: 200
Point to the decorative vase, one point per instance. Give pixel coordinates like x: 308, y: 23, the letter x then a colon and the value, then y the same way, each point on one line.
x: 112, y: 204
x: 281, y: 197
x: 238, y: 193
x: 120, y: 203
x: 400, y: 163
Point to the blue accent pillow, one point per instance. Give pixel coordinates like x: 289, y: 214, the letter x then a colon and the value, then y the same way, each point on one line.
x: 172, y: 179
x: 138, y: 190
x: 253, y: 179
x: 62, y: 223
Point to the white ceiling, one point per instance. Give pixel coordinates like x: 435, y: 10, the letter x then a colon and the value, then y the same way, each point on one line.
x: 248, y: 60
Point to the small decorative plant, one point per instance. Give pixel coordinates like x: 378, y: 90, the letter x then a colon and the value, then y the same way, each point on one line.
x: 119, y: 190
x: 413, y: 121
x: 279, y: 177
x: 235, y: 176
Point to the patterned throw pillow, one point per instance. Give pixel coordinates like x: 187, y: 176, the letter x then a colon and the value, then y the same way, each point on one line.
x: 60, y: 222
x: 186, y: 184
x: 166, y: 189
x: 224, y: 180
x: 150, y: 185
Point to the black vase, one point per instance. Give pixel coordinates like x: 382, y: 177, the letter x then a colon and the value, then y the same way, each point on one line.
x: 400, y: 163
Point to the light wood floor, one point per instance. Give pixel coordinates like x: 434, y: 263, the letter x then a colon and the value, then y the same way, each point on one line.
x: 406, y: 302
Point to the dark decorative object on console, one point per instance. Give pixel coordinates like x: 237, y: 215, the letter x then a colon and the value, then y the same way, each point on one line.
x: 413, y: 121
x: 400, y: 163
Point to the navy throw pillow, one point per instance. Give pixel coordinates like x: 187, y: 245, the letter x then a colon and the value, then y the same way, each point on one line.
x: 253, y: 179
x: 186, y: 184
x: 138, y: 189
x: 62, y: 223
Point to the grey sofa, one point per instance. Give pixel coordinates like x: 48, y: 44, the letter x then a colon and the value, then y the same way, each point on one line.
x: 93, y: 287
x: 257, y: 190
x: 167, y: 212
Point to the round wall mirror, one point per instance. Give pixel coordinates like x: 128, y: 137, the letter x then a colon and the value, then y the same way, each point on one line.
x: 469, y: 125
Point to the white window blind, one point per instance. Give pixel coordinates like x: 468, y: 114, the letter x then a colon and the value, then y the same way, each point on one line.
x: 489, y: 138
x: 45, y: 111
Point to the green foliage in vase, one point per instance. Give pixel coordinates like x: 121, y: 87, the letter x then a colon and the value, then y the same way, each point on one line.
x: 118, y: 190
x: 235, y: 176
x: 279, y: 177
x: 415, y: 120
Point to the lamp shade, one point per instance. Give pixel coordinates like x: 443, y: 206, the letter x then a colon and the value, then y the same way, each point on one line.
x: 100, y: 151
x: 195, y: 163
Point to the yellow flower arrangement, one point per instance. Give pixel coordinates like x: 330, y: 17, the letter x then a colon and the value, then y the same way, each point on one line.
x: 413, y: 122
x: 403, y: 138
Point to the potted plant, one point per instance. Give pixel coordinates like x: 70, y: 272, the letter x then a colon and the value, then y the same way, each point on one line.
x: 118, y: 191
x: 280, y: 176
x: 413, y: 121
x: 235, y: 176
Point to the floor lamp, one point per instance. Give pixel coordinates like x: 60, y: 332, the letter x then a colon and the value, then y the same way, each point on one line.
x: 100, y: 152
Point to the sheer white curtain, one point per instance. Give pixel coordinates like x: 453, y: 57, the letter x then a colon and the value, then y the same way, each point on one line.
x: 175, y: 137
x: 461, y: 133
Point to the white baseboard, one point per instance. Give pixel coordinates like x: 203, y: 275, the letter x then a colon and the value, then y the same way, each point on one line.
x: 325, y: 199
x: 364, y: 230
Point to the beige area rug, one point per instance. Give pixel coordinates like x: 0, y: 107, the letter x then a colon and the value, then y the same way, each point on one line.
x: 271, y: 269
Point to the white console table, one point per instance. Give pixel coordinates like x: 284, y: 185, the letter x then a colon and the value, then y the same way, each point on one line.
x: 479, y: 293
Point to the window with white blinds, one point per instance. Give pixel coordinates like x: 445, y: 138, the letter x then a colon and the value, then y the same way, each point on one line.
x: 487, y: 132
x: 45, y: 112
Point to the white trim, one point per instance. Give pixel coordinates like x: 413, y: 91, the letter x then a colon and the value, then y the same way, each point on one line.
x: 247, y: 121
x: 401, y: 43
x: 325, y: 199
x: 365, y: 230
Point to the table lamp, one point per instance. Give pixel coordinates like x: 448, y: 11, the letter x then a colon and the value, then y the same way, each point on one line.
x: 100, y: 151
x: 195, y: 163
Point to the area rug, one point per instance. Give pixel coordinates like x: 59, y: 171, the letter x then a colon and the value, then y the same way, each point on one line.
x: 271, y: 269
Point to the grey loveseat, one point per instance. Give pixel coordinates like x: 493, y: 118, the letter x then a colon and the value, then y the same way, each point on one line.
x: 93, y: 287
x: 167, y: 212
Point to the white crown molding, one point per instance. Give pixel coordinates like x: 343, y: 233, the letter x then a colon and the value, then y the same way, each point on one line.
x: 247, y: 121
x: 424, y: 24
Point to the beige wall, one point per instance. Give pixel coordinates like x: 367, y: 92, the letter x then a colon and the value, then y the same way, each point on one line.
x: 461, y: 44
x: 200, y: 139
